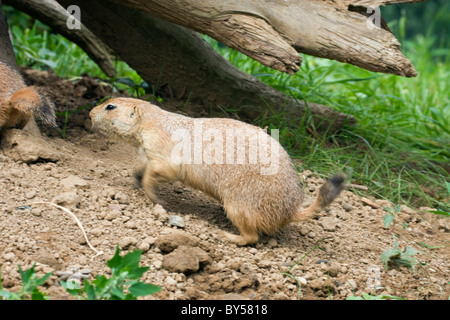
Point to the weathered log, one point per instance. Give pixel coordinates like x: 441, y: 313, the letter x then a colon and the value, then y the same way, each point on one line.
x: 52, y: 14
x: 179, y: 61
x: 269, y: 31
x: 6, y: 48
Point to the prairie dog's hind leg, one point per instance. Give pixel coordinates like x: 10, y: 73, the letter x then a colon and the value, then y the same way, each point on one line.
x: 248, y: 231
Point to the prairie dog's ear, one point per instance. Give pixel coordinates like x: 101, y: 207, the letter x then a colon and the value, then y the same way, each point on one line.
x: 136, y: 113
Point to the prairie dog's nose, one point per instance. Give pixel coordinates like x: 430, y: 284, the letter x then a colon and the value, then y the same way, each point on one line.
x: 92, y: 113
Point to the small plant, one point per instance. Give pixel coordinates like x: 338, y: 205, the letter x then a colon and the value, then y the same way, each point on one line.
x: 29, y: 290
x: 397, y: 256
x: 137, y: 89
x: 390, y: 217
x: 123, y: 283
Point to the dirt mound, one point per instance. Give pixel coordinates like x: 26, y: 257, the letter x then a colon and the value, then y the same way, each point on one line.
x: 334, y: 256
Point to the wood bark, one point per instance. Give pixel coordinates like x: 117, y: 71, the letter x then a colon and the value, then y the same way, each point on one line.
x: 6, y: 49
x: 51, y: 13
x: 272, y: 31
x: 178, y: 61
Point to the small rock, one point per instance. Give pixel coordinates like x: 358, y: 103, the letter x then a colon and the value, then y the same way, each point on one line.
x: 144, y: 246
x: 334, y: 269
x: 234, y: 264
x: 73, y: 182
x: 37, y: 212
x: 31, y: 194
x: 174, y: 239
x: 185, y: 260
x: 316, y: 284
x: 122, y: 198
x: 272, y: 243
x: 176, y: 221
x: 444, y: 225
x: 302, y: 281
x: 304, y: 230
x: 97, y: 232
x: 126, y: 242
x: 9, y: 256
x: 328, y: 223
x: 346, y: 206
x: 113, y: 214
x: 67, y: 199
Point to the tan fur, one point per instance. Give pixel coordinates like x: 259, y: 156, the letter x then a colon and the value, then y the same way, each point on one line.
x: 255, y: 203
x: 19, y: 103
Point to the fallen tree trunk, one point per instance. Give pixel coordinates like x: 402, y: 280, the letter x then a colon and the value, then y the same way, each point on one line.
x: 272, y: 31
x: 178, y: 61
x: 6, y: 49
x: 55, y: 16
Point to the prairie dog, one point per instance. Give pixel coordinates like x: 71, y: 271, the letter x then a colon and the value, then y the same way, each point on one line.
x: 259, y: 196
x: 18, y: 103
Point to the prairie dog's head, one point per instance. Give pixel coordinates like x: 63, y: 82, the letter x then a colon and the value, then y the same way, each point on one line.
x: 119, y: 116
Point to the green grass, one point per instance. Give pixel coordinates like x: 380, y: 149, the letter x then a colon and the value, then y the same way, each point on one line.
x: 399, y: 146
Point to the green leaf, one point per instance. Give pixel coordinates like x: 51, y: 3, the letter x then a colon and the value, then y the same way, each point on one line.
x: 25, y: 275
x: 143, y: 289
x: 117, y: 292
x: 90, y: 291
x: 115, y: 261
x: 37, y: 295
x: 354, y: 298
x: 430, y: 247
x: 440, y: 212
x: 43, y: 279
x: 387, y: 220
x: 388, y: 255
x: 7, y: 295
x: 132, y: 259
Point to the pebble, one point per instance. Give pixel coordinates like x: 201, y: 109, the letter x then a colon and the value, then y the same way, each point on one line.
x: 176, y: 221
x: 126, y: 242
x: 68, y: 199
x: 113, y: 214
x: 346, y: 206
x: 144, y: 246
x: 9, y: 256
x: 302, y: 281
x: 122, y: 197
x: 328, y: 223
x: 272, y: 243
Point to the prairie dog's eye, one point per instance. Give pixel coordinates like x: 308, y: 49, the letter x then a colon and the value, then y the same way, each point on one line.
x: 110, y: 107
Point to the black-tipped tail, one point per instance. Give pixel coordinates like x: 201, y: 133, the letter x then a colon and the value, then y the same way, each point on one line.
x: 328, y: 192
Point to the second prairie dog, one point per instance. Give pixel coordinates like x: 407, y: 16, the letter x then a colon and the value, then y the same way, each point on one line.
x: 255, y: 201
x: 18, y: 103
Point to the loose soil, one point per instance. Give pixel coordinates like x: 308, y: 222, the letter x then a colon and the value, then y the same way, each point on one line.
x: 334, y: 256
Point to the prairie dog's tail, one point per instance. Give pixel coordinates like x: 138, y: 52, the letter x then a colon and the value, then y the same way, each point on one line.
x: 27, y: 103
x: 328, y: 192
